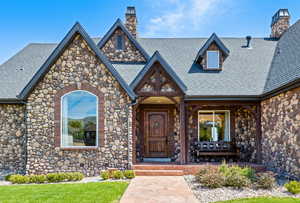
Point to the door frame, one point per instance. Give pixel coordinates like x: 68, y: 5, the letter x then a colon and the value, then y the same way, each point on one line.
x: 169, y: 109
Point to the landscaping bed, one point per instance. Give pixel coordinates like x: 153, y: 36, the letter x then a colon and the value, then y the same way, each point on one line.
x: 229, y: 183
x: 50, y: 193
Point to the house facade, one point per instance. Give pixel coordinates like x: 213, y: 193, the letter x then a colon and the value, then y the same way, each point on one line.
x: 88, y: 104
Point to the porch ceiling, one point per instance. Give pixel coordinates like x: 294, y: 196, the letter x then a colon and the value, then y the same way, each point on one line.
x: 160, y: 100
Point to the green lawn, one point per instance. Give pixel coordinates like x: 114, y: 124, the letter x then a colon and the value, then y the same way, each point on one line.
x: 264, y: 200
x: 67, y: 193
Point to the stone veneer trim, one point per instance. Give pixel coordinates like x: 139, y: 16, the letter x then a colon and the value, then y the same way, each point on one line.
x: 57, y: 114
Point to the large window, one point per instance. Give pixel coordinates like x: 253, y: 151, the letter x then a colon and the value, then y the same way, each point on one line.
x: 214, y: 125
x: 213, y: 59
x: 79, y: 119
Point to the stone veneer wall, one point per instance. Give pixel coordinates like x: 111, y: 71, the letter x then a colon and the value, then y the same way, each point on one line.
x: 245, y: 134
x: 281, y: 132
x: 129, y: 54
x: 12, y: 139
x: 77, y: 65
x: 177, y: 151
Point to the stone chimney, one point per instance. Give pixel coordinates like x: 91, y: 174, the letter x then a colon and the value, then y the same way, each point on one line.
x: 280, y: 23
x: 131, y: 21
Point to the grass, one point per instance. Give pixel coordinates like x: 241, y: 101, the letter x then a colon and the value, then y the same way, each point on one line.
x: 264, y: 200
x: 68, y: 193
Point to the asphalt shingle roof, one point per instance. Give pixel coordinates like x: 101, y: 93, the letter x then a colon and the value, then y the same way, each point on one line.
x: 286, y: 61
x: 246, y: 72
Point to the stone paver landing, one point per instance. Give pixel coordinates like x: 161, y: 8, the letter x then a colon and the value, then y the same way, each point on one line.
x: 158, y: 189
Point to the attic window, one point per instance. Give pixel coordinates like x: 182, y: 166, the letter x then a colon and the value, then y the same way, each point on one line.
x: 213, y: 60
x: 120, y: 42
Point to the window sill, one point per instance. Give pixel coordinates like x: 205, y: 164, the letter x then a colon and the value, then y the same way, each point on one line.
x: 79, y: 148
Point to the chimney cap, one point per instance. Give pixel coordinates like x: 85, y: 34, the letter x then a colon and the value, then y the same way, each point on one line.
x: 283, y: 12
x: 130, y: 10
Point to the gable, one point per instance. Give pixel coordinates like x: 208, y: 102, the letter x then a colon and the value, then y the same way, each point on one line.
x: 157, y: 78
x: 131, y: 52
x: 157, y: 82
x: 75, y: 32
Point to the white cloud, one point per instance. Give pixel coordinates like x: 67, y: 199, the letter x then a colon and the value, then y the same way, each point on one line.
x: 183, y: 15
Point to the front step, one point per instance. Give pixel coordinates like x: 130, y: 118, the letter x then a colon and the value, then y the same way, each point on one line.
x: 157, y: 167
x: 159, y: 172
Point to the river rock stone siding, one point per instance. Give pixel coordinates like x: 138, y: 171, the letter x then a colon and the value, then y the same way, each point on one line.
x: 76, y: 66
x: 129, y: 54
x: 245, y: 134
x: 177, y: 149
x: 281, y: 132
x: 12, y: 139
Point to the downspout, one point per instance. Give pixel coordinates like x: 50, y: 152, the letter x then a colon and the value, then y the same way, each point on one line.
x: 134, y: 102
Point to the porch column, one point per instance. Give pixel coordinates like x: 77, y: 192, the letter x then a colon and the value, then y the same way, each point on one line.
x: 182, y: 132
x: 134, y: 108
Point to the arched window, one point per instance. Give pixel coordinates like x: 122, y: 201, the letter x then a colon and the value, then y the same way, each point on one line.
x: 79, y: 119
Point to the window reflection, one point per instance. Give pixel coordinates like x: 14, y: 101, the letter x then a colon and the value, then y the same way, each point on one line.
x: 79, y: 119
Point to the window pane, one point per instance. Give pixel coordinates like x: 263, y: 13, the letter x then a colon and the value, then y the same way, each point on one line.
x: 205, y: 126
x: 79, y: 119
x: 120, y: 42
x: 213, y: 59
x: 214, y: 126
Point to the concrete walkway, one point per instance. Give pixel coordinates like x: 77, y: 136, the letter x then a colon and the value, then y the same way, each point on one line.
x: 158, y: 189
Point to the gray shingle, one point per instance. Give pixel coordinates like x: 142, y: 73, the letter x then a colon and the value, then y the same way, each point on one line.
x: 244, y: 73
x: 286, y: 62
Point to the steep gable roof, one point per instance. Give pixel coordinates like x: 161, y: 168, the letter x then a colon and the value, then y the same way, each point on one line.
x: 119, y: 24
x: 211, y: 39
x: 156, y: 57
x: 76, y: 29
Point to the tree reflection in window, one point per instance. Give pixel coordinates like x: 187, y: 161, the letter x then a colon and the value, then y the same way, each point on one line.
x: 79, y: 119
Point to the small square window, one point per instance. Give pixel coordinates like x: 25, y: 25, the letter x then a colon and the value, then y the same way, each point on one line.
x: 119, y: 42
x: 213, y: 59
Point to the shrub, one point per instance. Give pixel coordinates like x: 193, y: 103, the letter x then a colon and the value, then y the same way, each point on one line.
x: 265, y: 180
x: 249, y: 173
x: 76, y: 176
x: 19, y: 179
x: 129, y: 174
x: 234, y: 178
x: 37, y: 178
x: 204, y: 171
x: 55, y: 177
x: 212, y: 179
x: 7, y: 178
x: 293, y: 187
x: 118, y: 175
x: 105, y: 175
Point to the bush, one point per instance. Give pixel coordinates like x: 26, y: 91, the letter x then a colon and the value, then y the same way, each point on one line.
x: 19, y: 179
x: 37, y: 178
x: 265, y: 180
x: 293, y: 187
x: 204, y: 171
x: 76, y: 176
x: 55, y: 177
x: 7, y: 178
x: 105, y: 175
x: 118, y: 175
x: 212, y: 179
x: 129, y: 174
x: 234, y: 178
x: 249, y: 173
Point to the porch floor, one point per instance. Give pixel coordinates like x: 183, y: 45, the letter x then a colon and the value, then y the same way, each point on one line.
x: 171, y: 169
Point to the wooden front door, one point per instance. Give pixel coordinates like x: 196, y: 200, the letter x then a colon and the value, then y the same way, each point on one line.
x: 156, y: 134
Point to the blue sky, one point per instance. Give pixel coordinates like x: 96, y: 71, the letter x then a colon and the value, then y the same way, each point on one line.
x: 28, y: 21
